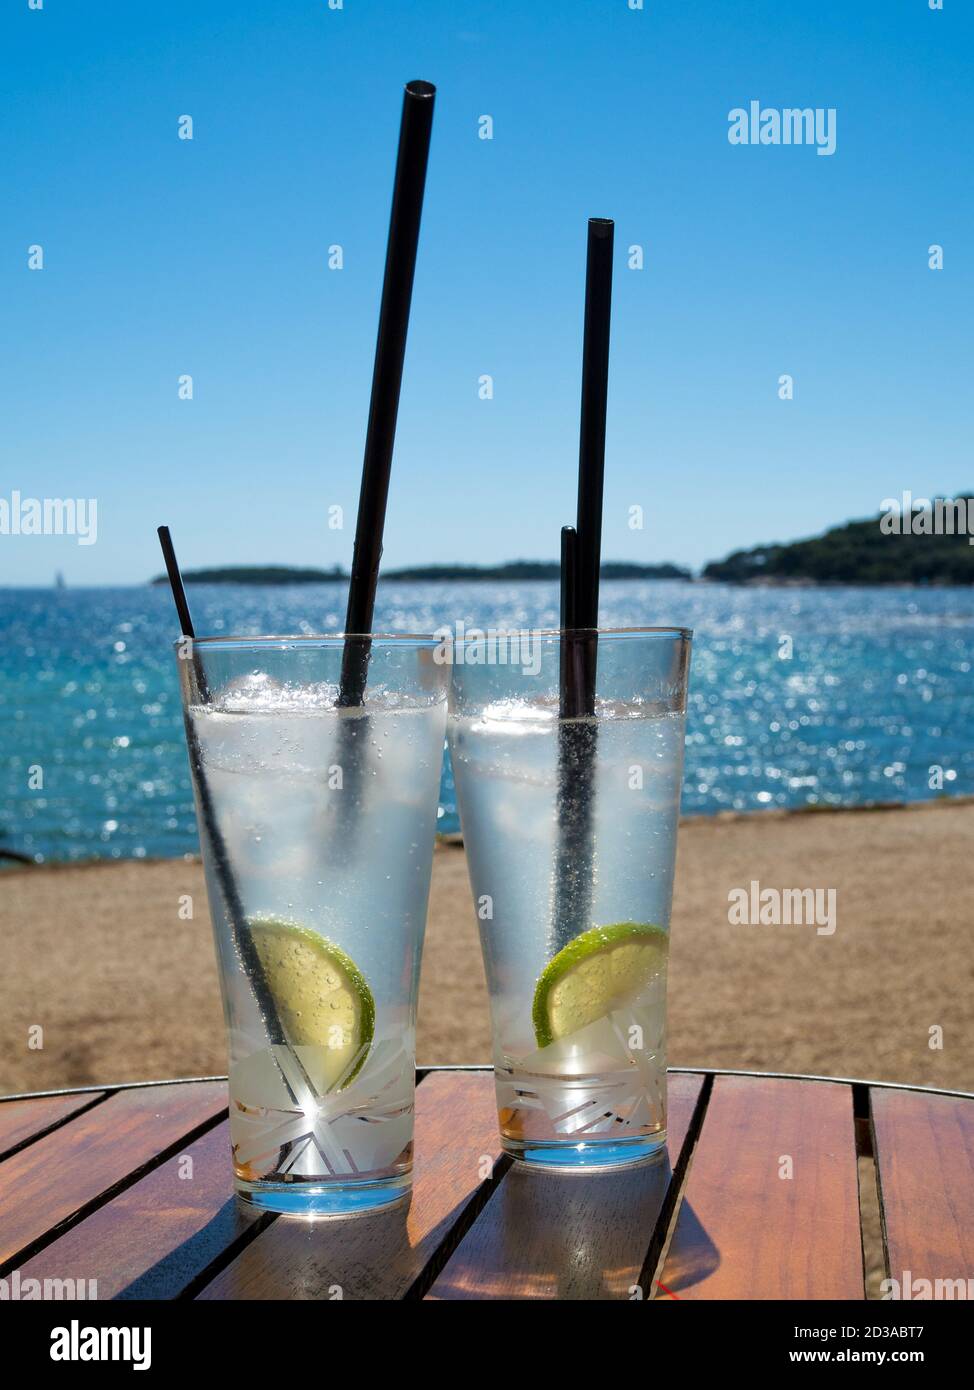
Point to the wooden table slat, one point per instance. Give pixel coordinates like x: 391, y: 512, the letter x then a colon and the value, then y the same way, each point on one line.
x: 21, y: 1120
x: 924, y: 1149
x: 570, y: 1236
x: 155, y: 1237
x: 47, y: 1182
x: 381, y: 1255
x: 743, y: 1230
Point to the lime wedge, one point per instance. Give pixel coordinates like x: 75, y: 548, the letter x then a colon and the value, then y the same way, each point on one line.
x: 320, y: 993
x: 599, y: 971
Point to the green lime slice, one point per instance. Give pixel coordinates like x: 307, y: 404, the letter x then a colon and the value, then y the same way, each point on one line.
x: 600, y: 970
x: 320, y: 993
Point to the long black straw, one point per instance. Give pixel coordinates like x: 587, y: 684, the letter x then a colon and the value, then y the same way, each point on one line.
x: 242, y: 939
x: 390, y: 349
x: 581, y: 549
x: 591, y: 444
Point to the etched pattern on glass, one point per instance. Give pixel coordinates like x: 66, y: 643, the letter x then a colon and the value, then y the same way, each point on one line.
x: 591, y: 1082
x: 282, y: 1123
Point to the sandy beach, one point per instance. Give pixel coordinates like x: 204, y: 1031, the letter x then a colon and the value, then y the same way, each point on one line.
x: 98, y: 956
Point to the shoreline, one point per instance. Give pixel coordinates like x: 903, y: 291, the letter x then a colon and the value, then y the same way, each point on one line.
x: 708, y: 581
x: 454, y: 838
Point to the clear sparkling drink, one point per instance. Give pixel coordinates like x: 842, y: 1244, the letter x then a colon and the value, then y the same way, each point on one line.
x: 570, y: 832
x: 317, y: 824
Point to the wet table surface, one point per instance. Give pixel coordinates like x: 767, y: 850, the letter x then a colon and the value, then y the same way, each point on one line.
x: 762, y: 1194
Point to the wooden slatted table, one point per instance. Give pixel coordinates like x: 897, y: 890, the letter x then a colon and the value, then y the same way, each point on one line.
x: 765, y: 1194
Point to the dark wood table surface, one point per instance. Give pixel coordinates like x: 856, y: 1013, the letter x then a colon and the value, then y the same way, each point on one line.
x: 759, y: 1199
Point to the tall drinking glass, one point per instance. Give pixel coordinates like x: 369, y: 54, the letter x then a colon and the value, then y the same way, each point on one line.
x: 317, y: 825
x: 570, y: 826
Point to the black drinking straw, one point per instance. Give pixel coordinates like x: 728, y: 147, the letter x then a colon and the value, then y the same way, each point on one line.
x: 591, y: 448
x: 242, y: 939
x: 182, y: 607
x: 569, y: 554
x: 570, y: 676
x: 581, y: 550
x: 390, y: 349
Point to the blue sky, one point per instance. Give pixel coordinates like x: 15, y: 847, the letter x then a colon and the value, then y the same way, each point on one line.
x: 209, y: 257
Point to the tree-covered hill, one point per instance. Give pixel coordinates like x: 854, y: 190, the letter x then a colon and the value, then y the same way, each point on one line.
x: 860, y: 552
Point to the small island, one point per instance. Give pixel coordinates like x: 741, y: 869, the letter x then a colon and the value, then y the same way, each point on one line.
x: 258, y: 574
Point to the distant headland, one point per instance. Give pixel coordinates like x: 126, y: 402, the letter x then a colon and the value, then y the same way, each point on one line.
x: 911, y: 541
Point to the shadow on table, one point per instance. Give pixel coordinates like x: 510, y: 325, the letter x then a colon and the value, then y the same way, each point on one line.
x: 170, y: 1276
x: 583, y: 1236
x: 376, y: 1256
x: 548, y: 1236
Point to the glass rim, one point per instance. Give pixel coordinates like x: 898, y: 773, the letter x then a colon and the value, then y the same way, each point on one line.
x: 314, y: 639
x: 492, y: 634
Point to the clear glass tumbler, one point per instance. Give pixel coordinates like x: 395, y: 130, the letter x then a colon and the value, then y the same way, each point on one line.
x: 317, y: 822
x: 569, y: 825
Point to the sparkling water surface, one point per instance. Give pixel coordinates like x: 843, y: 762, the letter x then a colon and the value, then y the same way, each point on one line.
x: 878, y: 690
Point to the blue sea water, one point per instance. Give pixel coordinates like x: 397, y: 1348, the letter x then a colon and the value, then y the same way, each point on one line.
x: 877, y: 692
